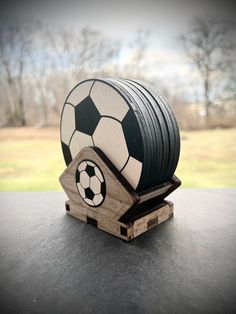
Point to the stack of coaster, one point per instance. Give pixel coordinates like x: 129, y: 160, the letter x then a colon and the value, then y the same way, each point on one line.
x: 130, y: 122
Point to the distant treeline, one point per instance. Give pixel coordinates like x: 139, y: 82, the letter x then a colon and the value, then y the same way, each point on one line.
x: 41, y: 62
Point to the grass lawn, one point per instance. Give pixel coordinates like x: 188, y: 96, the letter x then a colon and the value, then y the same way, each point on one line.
x: 208, y: 158
x: 31, y: 159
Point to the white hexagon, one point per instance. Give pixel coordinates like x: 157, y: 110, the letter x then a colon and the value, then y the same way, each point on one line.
x: 88, y: 201
x: 97, y: 199
x: 90, y: 163
x: 98, y: 174
x: 108, y: 101
x: 84, y: 179
x: 109, y: 137
x: 67, y: 123
x: 82, y: 166
x: 79, y: 93
x: 132, y: 171
x: 78, y: 141
x: 95, y: 185
x: 81, y: 190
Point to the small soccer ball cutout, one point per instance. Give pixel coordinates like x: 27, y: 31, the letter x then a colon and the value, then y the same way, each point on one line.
x: 90, y: 183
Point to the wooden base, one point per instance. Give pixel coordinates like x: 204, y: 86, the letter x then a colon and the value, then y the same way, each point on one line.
x: 123, y: 213
x: 124, y: 231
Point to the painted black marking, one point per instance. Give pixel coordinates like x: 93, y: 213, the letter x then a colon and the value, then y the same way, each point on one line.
x: 103, y: 188
x: 133, y: 136
x: 67, y: 207
x: 87, y: 116
x: 91, y: 88
x: 125, y: 164
x: 92, y: 221
x: 90, y: 170
x: 123, y: 231
x: 110, y: 117
x: 66, y: 153
x: 77, y: 176
x: 72, y: 136
x: 89, y: 193
x: 152, y: 222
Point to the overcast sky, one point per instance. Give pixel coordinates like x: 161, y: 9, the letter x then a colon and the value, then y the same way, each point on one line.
x: 165, y: 20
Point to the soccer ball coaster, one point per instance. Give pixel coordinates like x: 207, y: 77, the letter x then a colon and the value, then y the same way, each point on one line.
x: 130, y: 122
x: 95, y: 114
x: 90, y: 183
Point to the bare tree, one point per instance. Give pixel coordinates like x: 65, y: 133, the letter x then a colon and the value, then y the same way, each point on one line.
x: 210, y: 47
x: 40, y: 91
x: 94, y: 51
x: 138, y: 48
x: 79, y: 53
x: 13, y: 46
x: 42, y: 61
x: 40, y: 65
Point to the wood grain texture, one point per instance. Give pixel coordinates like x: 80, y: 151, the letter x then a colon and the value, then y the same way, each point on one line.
x: 147, y: 210
x: 118, y: 199
x: 103, y: 222
x: 114, y: 227
x: 153, y: 219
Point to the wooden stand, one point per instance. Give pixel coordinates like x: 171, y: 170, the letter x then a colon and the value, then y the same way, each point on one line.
x: 123, y: 213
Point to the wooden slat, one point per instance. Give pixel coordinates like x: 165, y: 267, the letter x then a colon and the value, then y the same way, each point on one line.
x: 154, y: 193
x: 153, y: 219
x: 114, y: 227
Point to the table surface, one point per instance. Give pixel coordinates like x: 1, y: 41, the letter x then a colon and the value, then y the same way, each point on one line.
x: 51, y: 262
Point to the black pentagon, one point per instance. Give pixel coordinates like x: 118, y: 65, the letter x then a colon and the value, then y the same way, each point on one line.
x: 66, y: 153
x: 89, y: 194
x: 133, y: 136
x: 87, y: 116
x: 103, y: 189
x: 77, y: 176
x: 90, y: 170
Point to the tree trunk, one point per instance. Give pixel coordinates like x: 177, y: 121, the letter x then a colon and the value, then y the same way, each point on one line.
x: 22, y: 118
x: 45, y: 110
x: 206, y: 98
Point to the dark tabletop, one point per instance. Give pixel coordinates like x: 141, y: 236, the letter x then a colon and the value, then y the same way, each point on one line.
x: 53, y: 263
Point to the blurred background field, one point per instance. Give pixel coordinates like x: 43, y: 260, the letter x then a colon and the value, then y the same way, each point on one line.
x: 31, y: 159
x: 185, y: 49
